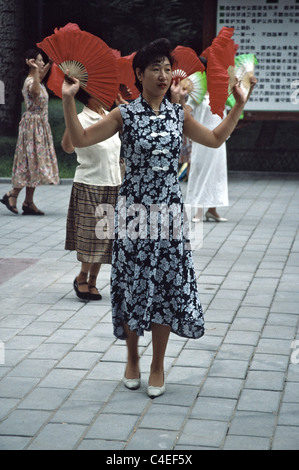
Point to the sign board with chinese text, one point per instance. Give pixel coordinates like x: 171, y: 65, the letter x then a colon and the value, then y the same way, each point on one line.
x: 270, y: 30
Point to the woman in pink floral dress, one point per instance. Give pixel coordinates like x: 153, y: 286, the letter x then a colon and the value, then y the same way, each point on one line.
x: 35, y: 161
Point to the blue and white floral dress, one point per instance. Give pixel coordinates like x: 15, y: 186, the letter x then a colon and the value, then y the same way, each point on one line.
x: 152, y: 276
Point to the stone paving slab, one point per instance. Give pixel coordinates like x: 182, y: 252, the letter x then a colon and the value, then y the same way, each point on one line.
x: 237, y: 388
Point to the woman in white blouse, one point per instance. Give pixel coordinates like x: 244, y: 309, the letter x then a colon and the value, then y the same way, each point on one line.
x: 95, y: 187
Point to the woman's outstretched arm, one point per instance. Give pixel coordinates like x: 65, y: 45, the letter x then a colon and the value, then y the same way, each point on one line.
x: 216, y: 137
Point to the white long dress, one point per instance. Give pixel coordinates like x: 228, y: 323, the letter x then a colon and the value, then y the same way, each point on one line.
x: 207, y: 182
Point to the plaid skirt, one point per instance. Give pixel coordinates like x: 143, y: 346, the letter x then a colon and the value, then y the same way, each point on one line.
x: 83, y: 217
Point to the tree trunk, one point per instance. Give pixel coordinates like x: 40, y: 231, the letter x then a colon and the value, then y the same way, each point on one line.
x: 11, y: 64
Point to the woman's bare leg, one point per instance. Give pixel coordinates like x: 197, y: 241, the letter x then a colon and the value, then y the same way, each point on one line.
x: 92, y: 280
x: 213, y: 211
x: 160, y: 336
x: 29, y: 199
x: 82, y: 278
x: 13, y: 196
x: 132, y: 370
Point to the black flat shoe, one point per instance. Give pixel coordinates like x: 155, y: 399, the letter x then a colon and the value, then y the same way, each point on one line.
x: 27, y: 210
x: 81, y: 295
x: 5, y: 201
x: 94, y: 296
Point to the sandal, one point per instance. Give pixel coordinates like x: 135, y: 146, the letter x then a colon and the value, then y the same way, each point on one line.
x: 81, y: 295
x: 5, y: 201
x: 27, y: 210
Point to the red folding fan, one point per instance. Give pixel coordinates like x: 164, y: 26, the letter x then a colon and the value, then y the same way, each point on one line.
x: 186, y: 62
x: 220, y: 55
x: 128, y: 89
x: 117, y: 53
x: 55, y: 80
x: 87, y: 58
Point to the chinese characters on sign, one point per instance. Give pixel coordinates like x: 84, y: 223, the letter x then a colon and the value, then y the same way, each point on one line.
x: 270, y: 30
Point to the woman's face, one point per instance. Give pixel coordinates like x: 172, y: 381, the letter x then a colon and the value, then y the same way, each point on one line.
x: 39, y: 61
x: 157, y: 77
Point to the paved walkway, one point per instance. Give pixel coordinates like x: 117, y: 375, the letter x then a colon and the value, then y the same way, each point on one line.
x: 236, y: 388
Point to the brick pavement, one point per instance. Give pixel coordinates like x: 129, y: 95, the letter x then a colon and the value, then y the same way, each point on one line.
x: 236, y: 388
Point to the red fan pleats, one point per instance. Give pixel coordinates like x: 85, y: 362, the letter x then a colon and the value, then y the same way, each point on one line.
x: 220, y: 55
x: 55, y: 80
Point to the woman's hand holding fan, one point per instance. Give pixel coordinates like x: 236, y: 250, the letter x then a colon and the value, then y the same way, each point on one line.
x: 253, y: 82
x: 237, y: 91
x: 189, y: 71
x: 178, y: 92
x: 70, y: 86
x: 242, y: 76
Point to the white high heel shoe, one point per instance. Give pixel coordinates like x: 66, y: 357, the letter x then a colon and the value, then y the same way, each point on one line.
x: 209, y: 216
x: 132, y: 384
x: 154, y: 392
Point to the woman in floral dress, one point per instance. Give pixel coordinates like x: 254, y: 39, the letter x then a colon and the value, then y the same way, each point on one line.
x: 153, y: 284
x: 35, y: 161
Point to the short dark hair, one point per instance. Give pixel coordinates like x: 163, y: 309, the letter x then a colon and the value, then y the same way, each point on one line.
x: 32, y: 54
x: 148, y: 54
x: 83, y: 96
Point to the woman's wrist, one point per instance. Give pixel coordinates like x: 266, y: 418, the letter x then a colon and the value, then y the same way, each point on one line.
x: 236, y: 112
x: 67, y: 98
x: 235, y: 121
x: 182, y: 101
